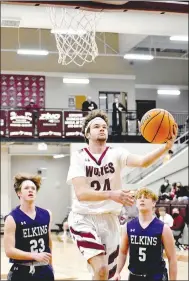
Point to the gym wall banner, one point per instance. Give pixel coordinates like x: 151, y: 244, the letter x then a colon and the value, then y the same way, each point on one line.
x: 20, y: 123
x: 17, y: 90
x: 49, y: 124
x: 73, y: 121
x: 3, y: 122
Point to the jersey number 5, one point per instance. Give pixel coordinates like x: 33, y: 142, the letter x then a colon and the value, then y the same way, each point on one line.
x: 97, y: 185
x: 142, y: 254
x: 37, y: 245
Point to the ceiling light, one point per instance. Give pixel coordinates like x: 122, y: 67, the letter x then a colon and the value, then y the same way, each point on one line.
x: 179, y: 38
x: 56, y: 156
x: 138, y: 57
x: 168, y: 92
x: 102, y: 97
x: 42, y: 146
x: 76, y: 80
x: 32, y: 52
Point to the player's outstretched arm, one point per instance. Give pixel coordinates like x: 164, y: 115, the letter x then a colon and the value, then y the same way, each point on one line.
x: 14, y: 253
x: 134, y: 160
x: 169, y: 245
x: 85, y: 193
x: 122, y: 254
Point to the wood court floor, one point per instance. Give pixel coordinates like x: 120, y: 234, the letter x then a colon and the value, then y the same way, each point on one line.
x: 70, y: 265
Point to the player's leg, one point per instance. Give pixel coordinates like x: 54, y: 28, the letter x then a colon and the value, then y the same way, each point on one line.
x: 100, y: 267
x: 85, y: 234
x: 112, y: 244
x: 65, y: 228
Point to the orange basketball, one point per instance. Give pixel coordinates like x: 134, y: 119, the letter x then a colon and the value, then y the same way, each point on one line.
x: 156, y: 125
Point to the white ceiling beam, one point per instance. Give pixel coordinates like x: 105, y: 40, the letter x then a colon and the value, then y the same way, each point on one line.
x: 131, y: 22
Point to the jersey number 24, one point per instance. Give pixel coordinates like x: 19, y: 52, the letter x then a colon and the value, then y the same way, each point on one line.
x: 97, y: 185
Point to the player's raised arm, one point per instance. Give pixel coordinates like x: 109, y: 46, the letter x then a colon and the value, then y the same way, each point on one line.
x: 169, y: 245
x: 134, y: 160
x: 85, y: 193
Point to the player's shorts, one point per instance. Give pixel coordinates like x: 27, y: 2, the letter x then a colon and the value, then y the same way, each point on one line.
x: 97, y: 234
x: 153, y: 277
x: 22, y: 273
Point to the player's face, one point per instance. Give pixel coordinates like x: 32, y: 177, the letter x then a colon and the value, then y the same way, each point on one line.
x: 98, y: 131
x: 28, y: 191
x: 145, y: 204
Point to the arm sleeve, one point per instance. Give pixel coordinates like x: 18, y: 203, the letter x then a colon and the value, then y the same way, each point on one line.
x: 77, y: 167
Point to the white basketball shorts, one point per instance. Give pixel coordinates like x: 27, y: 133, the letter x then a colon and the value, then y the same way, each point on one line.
x: 96, y: 234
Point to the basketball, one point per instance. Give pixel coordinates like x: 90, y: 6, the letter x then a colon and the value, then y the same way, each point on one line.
x: 156, y: 125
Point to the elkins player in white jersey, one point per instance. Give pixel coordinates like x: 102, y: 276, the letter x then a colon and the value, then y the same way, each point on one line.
x: 95, y: 176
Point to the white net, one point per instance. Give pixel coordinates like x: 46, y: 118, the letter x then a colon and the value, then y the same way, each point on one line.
x: 74, y: 32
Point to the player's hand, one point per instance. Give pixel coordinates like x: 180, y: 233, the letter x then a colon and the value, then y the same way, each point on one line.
x: 42, y: 257
x: 172, y: 138
x: 117, y: 277
x: 122, y: 196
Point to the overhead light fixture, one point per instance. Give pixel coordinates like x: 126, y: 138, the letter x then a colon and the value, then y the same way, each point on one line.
x: 138, y: 57
x: 32, y: 52
x: 168, y: 92
x: 67, y: 31
x: 179, y: 38
x: 56, y: 156
x: 102, y: 97
x: 76, y: 80
x: 42, y: 146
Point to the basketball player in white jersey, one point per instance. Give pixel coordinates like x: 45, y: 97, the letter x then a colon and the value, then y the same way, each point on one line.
x: 95, y: 176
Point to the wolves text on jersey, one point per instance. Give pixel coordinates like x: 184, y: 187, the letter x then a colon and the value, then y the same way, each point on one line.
x: 143, y: 240
x: 35, y: 231
x: 108, y: 168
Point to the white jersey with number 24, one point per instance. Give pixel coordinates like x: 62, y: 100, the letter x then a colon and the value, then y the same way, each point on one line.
x: 102, y: 172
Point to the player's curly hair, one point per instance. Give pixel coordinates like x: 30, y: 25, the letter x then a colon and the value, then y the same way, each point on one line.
x: 147, y: 193
x: 93, y: 114
x: 19, y: 178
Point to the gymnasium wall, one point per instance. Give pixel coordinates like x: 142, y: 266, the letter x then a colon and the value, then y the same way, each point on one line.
x: 57, y: 93
x: 173, y: 103
x: 162, y: 72
x: 150, y: 73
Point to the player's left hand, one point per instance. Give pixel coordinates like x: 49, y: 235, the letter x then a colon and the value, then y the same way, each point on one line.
x: 172, y: 138
x: 117, y: 277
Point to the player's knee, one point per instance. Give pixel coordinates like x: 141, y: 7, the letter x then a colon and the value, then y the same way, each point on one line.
x: 102, y: 271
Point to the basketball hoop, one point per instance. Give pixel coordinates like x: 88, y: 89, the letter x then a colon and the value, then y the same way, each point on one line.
x: 74, y: 32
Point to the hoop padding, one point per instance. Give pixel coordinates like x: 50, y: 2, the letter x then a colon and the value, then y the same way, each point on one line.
x: 74, y: 32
